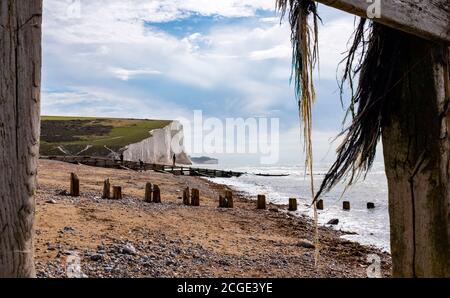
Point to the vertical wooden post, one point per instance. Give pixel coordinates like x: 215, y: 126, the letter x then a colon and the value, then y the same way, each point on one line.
x: 20, y: 82
x: 292, y: 204
x: 346, y: 205
x: 195, y: 197
x: 117, y: 193
x: 148, y: 193
x: 222, y: 202
x: 186, y: 196
x: 319, y: 205
x: 416, y: 147
x: 261, y: 203
x: 74, y: 185
x: 229, y: 199
x: 156, y: 194
x: 106, y: 189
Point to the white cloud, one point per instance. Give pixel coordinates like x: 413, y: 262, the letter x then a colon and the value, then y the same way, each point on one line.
x: 333, y: 38
x: 152, y: 10
x: 126, y: 74
x: 96, y: 101
x: 280, y: 51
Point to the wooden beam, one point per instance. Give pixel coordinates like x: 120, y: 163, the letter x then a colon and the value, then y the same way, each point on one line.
x: 429, y: 19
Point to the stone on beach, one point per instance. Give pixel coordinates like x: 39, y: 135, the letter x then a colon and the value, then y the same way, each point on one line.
x: 333, y: 221
x: 305, y: 243
x: 129, y: 249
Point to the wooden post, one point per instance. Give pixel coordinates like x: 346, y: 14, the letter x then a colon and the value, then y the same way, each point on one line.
x: 319, y: 205
x: 106, y: 189
x: 416, y: 148
x: 346, y: 205
x: 229, y: 199
x: 261, y: 203
x: 186, y: 197
x: 74, y: 185
x: 222, y: 202
x: 195, y: 197
x: 292, y: 204
x: 156, y: 194
x: 117, y: 193
x: 148, y: 193
x: 20, y: 81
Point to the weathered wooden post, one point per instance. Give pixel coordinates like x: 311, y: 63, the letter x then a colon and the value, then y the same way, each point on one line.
x: 346, y: 205
x: 156, y: 194
x: 222, y: 202
x: 229, y: 199
x: 292, y: 204
x: 186, y: 196
x: 195, y: 197
x: 148, y: 193
x: 261, y: 202
x: 319, y: 205
x: 106, y: 189
x: 20, y: 84
x: 74, y: 185
x: 416, y: 147
x: 117, y: 193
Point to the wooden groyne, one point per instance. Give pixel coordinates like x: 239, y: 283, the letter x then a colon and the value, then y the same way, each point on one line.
x: 202, y: 172
x: 137, y: 166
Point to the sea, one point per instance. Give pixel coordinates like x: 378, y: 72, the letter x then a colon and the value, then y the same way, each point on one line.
x: 367, y: 226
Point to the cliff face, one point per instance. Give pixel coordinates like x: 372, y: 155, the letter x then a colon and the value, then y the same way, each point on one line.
x: 160, y: 146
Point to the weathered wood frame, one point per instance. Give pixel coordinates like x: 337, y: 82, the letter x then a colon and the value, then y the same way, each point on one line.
x: 428, y: 19
x: 20, y: 81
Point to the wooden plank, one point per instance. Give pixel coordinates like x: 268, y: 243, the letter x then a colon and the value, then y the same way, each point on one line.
x: 429, y: 19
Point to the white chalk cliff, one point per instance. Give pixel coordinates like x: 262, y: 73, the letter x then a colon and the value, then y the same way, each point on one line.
x: 160, y: 146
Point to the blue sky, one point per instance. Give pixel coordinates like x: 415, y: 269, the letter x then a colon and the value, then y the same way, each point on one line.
x: 164, y: 59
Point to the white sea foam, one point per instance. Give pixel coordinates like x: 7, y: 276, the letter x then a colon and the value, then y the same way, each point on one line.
x: 371, y: 226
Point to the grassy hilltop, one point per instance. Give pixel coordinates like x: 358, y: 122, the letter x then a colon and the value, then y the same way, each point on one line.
x: 74, y: 134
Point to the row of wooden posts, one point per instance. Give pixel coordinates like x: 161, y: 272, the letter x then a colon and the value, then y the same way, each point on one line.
x: 191, y: 197
x: 345, y: 205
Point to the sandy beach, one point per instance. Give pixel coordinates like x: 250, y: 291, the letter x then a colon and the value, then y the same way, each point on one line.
x: 131, y: 238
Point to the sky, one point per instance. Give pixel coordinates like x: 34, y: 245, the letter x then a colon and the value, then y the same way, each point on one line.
x: 163, y: 59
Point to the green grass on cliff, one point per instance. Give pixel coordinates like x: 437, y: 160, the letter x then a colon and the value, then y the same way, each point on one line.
x: 75, y: 133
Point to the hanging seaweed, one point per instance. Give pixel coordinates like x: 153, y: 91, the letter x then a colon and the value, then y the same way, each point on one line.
x: 374, y: 60
x: 304, y: 58
x: 305, y: 52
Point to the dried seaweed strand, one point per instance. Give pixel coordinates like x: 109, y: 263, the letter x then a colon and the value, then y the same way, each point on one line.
x: 304, y: 58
